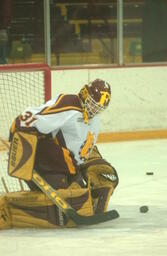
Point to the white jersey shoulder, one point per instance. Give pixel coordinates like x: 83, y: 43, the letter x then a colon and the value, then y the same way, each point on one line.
x: 54, y: 117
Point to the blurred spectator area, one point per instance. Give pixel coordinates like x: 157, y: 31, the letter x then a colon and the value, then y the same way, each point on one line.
x: 82, y: 32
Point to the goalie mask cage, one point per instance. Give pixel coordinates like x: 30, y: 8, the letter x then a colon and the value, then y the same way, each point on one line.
x: 21, y: 86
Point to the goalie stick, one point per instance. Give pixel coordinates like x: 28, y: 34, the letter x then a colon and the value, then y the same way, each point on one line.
x: 54, y: 196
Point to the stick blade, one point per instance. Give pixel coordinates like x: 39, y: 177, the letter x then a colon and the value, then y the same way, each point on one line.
x: 93, y: 219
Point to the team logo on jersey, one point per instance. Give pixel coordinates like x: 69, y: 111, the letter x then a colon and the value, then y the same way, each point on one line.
x: 87, y: 146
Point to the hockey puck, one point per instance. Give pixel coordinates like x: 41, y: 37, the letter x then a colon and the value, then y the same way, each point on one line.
x: 144, y: 209
x: 149, y: 173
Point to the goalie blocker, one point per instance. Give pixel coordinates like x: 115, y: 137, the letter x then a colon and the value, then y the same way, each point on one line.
x: 34, y: 209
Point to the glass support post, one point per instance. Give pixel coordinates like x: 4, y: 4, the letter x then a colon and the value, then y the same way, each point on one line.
x: 120, y: 31
x: 47, y: 32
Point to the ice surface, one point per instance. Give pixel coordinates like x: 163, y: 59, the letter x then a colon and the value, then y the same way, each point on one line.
x: 134, y: 233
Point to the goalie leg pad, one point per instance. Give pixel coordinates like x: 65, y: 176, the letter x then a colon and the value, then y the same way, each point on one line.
x: 35, y: 210
x: 101, y: 197
x: 5, y: 219
x: 102, y: 179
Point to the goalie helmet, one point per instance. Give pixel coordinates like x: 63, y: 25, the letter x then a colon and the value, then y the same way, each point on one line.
x: 94, y: 98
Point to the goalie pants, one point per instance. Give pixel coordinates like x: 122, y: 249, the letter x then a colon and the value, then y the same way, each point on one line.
x: 51, y: 164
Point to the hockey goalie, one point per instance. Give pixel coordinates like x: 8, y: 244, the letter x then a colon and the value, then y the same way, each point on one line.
x: 57, y: 141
